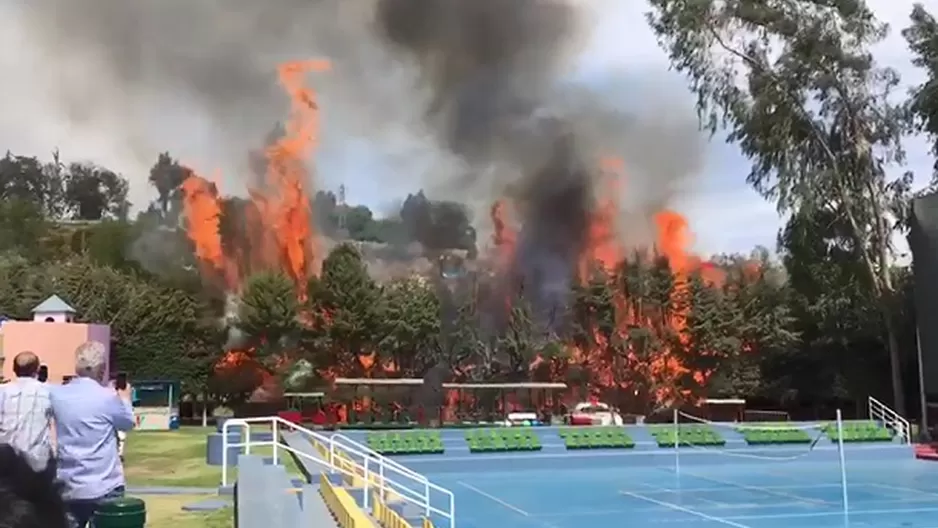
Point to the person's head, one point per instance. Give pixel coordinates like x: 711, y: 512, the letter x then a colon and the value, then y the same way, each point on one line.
x: 28, y: 498
x: 26, y: 365
x: 91, y: 360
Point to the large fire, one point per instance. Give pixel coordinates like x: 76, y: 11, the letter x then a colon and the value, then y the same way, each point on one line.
x: 279, y: 234
x: 663, y: 370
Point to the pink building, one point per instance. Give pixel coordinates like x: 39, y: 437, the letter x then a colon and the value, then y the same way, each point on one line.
x: 52, y: 336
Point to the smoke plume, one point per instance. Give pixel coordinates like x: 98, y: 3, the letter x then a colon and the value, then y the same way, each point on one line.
x: 199, y: 78
x: 468, y: 99
x: 496, y: 72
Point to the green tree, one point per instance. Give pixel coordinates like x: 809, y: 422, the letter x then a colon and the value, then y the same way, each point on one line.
x: 410, y: 325
x: 812, y: 112
x: 350, y: 304
x: 713, y: 341
x: 922, y: 36
x: 595, y: 328
x: 156, y: 332
x: 107, y: 244
x: 268, y: 314
x: 838, y: 355
x: 22, y: 228
x: 167, y: 176
x: 95, y: 193
x: 26, y: 179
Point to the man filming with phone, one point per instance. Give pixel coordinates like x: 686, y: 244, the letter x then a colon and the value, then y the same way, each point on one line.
x: 88, y: 415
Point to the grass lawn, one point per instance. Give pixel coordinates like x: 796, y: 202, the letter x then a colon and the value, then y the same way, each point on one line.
x: 177, y: 458
x: 165, y: 511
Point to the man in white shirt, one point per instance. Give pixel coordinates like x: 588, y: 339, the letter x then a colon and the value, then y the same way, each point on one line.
x: 26, y: 414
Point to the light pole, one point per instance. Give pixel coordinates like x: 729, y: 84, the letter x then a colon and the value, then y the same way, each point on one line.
x: 923, y: 401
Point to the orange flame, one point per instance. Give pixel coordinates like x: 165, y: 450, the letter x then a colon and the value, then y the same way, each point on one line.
x: 504, y: 237
x: 663, y: 370
x: 278, y: 233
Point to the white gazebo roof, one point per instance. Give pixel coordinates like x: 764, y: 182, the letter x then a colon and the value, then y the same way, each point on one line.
x: 53, y: 304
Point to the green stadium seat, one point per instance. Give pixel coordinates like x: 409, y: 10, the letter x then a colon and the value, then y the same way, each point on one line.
x: 860, y: 431
x: 595, y: 438
x: 415, y: 442
x: 502, y: 440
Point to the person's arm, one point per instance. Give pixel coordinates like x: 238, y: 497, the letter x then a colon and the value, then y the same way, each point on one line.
x: 121, y: 413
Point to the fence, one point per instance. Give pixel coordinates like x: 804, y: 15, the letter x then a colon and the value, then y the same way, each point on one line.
x: 359, y: 465
x: 890, y: 418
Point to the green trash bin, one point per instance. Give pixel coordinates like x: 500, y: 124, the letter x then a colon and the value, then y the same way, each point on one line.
x: 125, y: 512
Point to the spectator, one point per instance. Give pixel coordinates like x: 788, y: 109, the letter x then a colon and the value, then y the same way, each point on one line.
x: 28, y: 498
x: 26, y: 414
x: 88, y: 416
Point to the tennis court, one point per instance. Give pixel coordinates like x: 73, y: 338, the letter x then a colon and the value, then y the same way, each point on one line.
x: 886, y: 487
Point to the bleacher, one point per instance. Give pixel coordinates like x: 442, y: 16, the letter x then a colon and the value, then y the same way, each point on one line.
x: 596, y: 438
x: 686, y: 435
x: 417, y: 442
x: 502, y: 440
x: 860, y: 431
x: 774, y: 434
x: 358, y: 497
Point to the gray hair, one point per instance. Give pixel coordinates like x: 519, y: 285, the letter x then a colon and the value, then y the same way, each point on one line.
x: 90, y: 360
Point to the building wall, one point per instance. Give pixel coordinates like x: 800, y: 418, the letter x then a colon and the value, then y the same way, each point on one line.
x: 54, y: 343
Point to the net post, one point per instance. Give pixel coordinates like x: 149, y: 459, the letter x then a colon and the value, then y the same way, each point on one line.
x: 677, y: 444
x: 843, y: 465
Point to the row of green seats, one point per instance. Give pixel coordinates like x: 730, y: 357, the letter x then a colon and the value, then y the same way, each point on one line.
x: 775, y: 435
x: 406, y: 443
x: 689, y: 435
x: 865, y: 431
x: 596, y: 438
x: 500, y: 440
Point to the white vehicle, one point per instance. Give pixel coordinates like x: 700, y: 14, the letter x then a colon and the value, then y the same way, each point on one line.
x: 587, y: 413
x: 521, y: 418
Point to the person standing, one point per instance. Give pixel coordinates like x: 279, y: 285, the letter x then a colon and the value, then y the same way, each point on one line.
x: 88, y: 416
x: 26, y: 414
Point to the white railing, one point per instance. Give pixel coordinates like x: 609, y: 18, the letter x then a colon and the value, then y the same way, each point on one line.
x: 879, y: 411
x: 340, y: 454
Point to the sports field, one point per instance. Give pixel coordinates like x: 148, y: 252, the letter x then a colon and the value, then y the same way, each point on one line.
x: 743, y: 488
x: 884, y: 489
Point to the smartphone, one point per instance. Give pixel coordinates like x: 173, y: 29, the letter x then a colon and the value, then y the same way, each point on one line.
x: 43, y: 375
x: 121, y: 382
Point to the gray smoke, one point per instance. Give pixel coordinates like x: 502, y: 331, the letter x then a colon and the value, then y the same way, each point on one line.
x: 463, y: 98
x: 199, y: 78
x: 496, y: 71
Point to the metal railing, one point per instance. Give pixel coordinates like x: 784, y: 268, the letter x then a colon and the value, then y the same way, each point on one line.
x: 355, y: 461
x: 880, y: 412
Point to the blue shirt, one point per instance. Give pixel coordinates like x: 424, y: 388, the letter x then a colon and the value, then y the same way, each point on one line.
x: 87, y: 418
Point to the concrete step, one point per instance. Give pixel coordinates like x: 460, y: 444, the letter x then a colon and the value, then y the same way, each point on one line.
x: 316, y: 510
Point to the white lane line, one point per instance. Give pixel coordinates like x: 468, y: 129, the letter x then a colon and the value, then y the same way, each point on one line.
x: 495, y: 499
x: 689, y: 511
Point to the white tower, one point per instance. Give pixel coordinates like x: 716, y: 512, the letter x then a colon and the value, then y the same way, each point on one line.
x: 53, y: 310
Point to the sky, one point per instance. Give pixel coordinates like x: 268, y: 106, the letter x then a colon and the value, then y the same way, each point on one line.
x: 724, y: 213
